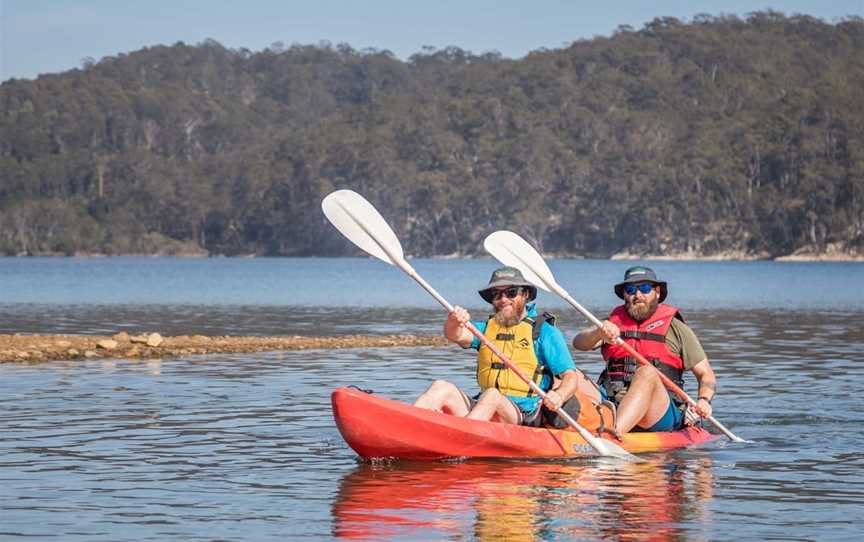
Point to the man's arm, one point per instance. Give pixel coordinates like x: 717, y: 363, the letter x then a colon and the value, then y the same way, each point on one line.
x: 565, y: 390
x: 707, y: 386
x: 687, y: 345
x: 593, y: 337
x: 455, y: 330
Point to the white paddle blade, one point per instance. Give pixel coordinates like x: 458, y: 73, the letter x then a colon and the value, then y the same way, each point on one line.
x: 510, y: 249
x: 610, y: 449
x: 362, y: 224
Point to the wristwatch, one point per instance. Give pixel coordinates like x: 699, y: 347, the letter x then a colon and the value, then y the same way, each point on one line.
x: 702, y: 397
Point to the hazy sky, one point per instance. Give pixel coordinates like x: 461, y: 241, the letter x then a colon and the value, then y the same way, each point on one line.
x: 48, y: 36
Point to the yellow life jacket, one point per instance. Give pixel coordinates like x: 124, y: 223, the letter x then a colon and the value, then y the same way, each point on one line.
x: 517, y: 343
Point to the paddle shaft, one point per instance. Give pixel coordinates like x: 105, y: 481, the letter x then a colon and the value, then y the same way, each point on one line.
x: 642, y: 361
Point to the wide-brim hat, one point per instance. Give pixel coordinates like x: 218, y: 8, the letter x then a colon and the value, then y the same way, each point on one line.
x: 507, y: 276
x: 638, y: 274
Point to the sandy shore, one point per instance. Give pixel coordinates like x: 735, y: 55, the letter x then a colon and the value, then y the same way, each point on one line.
x: 38, y: 348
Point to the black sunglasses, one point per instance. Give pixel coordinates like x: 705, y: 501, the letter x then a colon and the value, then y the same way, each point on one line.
x: 511, y: 293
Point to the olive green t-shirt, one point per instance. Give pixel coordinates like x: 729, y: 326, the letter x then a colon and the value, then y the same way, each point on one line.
x: 682, y: 342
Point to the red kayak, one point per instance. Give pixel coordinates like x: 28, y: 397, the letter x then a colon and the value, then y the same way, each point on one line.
x: 375, y: 428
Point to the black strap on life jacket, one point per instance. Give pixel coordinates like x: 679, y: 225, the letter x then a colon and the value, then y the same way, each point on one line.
x: 643, y: 335
x: 619, y: 373
x: 623, y: 368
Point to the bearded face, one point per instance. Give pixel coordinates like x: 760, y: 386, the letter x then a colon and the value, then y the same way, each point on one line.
x: 641, y: 306
x: 509, y: 312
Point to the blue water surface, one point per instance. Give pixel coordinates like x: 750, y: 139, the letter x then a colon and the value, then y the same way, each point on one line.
x: 244, y: 447
x: 368, y: 282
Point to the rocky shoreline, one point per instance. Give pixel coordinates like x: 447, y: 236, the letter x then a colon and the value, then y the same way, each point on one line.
x: 807, y: 254
x: 41, y: 348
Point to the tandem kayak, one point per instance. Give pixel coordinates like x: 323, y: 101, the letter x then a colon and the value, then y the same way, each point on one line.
x: 378, y: 428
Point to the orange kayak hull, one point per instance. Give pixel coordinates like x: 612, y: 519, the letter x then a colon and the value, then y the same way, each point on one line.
x: 378, y: 428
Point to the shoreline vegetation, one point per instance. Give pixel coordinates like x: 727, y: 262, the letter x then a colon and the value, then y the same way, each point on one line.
x: 25, y: 348
x: 712, y: 138
x: 804, y: 255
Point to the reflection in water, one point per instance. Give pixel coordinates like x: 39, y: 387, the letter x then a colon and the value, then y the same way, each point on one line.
x: 525, y: 501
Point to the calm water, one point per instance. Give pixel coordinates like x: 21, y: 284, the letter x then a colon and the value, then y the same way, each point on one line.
x: 244, y: 447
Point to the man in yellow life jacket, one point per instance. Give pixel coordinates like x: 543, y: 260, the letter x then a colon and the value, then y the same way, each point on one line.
x: 658, y: 332
x: 534, y: 345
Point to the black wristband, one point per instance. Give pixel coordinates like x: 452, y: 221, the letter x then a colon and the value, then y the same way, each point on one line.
x: 701, y: 397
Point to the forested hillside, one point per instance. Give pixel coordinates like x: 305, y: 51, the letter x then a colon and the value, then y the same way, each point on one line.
x: 718, y: 136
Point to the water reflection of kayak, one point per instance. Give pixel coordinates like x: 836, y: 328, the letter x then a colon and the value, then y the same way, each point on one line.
x: 523, y: 500
x: 375, y: 427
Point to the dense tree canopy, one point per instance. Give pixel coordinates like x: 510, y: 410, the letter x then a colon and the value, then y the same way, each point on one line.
x: 715, y: 136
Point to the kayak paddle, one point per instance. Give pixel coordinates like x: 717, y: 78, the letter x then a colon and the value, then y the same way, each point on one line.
x: 510, y: 249
x: 363, y: 225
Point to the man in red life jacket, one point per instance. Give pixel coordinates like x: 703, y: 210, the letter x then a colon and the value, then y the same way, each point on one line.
x: 658, y: 332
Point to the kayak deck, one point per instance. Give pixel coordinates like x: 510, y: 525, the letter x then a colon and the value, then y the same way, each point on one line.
x: 377, y: 428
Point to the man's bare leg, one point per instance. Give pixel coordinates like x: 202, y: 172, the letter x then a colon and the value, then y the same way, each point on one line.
x: 645, y: 403
x: 493, y: 405
x: 442, y: 396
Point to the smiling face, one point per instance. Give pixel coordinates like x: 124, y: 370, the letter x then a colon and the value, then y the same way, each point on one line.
x: 640, y: 306
x: 509, y: 311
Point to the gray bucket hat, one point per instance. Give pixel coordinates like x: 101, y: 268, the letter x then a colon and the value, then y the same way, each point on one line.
x: 638, y: 274
x: 507, y: 276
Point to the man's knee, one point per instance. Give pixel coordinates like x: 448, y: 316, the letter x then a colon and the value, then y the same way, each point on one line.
x: 443, y: 396
x: 490, y: 394
x: 441, y: 386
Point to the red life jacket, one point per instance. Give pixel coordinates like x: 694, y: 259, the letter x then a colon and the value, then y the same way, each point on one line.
x: 649, y: 339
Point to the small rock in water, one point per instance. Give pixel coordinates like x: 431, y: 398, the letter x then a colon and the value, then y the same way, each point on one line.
x: 154, y: 340
x: 121, y: 337
x: 107, y: 344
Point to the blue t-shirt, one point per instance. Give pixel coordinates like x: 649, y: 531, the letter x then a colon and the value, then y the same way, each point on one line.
x: 551, y: 350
